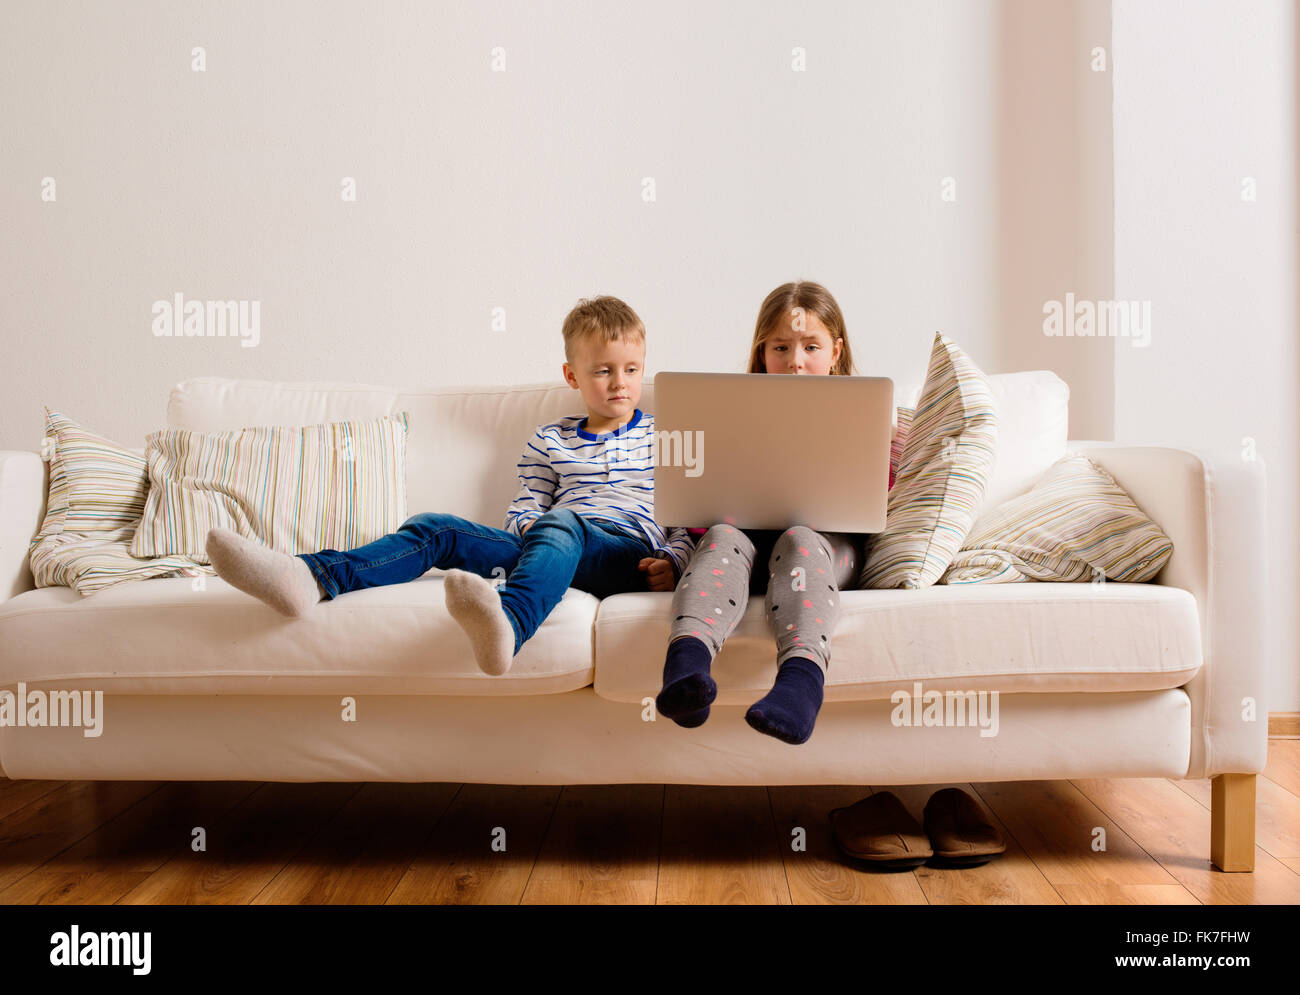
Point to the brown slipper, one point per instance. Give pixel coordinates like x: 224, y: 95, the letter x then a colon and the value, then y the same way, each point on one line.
x: 879, y: 829
x: 959, y: 829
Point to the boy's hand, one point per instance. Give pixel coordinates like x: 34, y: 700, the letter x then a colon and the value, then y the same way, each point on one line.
x: 661, y: 572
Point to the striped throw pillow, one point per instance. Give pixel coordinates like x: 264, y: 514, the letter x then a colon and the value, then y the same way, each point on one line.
x: 948, y: 452
x: 89, y: 562
x: 1076, y: 524
x: 897, y: 441
x: 99, y: 486
x: 56, y: 498
x: 296, y: 489
x: 76, y: 547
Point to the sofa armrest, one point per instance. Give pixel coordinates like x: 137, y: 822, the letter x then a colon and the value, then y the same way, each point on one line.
x: 1214, y: 509
x: 24, y: 481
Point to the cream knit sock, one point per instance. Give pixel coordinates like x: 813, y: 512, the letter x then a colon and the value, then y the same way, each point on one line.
x: 284, y: 582
x: 475, y: 605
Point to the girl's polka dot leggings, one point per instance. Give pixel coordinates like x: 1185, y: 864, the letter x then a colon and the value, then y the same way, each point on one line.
x: 806, y: 571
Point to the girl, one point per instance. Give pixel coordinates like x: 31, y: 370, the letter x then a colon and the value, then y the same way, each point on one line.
x: 800, y: 330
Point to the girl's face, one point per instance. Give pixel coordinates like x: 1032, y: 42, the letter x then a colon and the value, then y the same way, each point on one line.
x: 803, y: 345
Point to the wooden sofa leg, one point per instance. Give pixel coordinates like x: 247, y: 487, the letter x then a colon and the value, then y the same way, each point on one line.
x: 1232, y: 822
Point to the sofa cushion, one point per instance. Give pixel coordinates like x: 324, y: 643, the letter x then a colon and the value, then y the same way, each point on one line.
x: 177, y: 636
x: 1033, y: 422
x: 1003, y: 637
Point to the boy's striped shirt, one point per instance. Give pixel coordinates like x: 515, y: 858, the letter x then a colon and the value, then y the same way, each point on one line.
x: 609, y: 477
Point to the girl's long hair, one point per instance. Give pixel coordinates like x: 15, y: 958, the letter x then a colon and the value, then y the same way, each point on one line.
x: 777, y: 310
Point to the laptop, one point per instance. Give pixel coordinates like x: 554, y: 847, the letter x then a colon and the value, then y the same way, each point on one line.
x: 771, y: 450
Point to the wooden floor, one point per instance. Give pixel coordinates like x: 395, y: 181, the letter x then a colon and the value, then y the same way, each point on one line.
x: 108, y: 842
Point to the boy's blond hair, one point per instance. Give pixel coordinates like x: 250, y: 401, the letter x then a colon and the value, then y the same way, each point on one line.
x: 603, y: 319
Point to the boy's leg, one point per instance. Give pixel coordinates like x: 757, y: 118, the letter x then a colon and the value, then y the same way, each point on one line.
x: 560, y: 549
x: 610, y: 558
x: 803, y: 604
x: 420, y: 544
x: 708, y: 604
x: 282, y: 581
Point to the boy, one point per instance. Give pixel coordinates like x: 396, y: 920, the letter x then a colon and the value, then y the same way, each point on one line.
x: 583, y: 516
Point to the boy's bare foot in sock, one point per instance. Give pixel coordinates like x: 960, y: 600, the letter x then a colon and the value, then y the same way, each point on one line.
x: 476, y: 606
x: 284, y: 582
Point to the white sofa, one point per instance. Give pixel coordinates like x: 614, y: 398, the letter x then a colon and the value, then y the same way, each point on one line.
x: 203, y: 682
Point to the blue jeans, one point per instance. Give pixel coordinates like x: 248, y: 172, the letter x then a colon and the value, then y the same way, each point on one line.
x: 560, y: 550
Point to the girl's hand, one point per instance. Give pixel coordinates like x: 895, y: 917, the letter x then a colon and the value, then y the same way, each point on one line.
x: 661, y: 573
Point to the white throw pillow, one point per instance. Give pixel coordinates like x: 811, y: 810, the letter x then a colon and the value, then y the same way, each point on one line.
x: 1033, y: 426
x: 1033, y: 423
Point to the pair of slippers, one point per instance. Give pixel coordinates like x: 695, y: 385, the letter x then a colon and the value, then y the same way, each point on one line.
x: 879, y: 829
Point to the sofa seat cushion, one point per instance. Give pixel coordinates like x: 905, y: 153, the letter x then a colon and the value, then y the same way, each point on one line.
x: 164, y: 636
x: 1034, y: 637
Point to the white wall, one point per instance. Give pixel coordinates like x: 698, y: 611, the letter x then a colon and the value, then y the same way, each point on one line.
x: 1205, y: 96
x: 518, y: 189
x: 1054, y: 226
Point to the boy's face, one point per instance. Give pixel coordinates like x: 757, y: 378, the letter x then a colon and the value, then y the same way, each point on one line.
x: 810, y: 350
x: 608, y: 375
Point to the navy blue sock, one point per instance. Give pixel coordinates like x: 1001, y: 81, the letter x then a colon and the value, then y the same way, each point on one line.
x: 688, y: 689
x: 691, y: 719
x: 789, y: 710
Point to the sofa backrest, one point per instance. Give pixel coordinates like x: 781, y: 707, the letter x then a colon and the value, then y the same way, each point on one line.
x: 464, y: 442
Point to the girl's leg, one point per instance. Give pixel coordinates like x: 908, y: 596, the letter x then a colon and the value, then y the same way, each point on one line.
x: 707, y: 605
x: 849, y: 550
x: 807, y: 569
